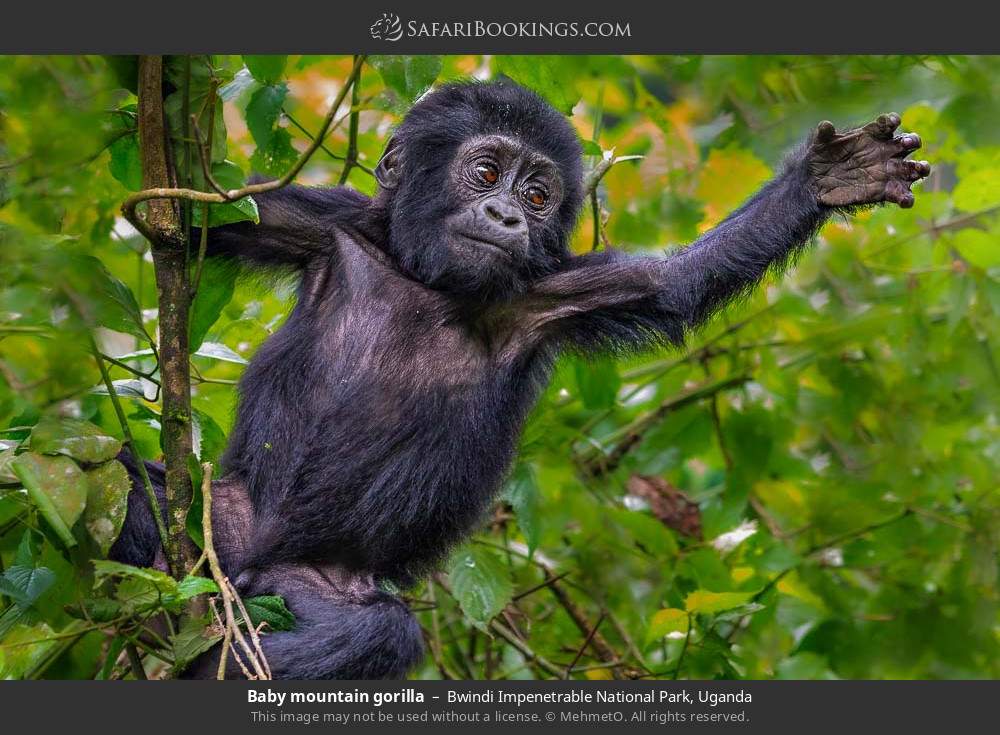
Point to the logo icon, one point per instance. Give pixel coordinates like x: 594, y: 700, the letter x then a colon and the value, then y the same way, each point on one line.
x: 387, y: 28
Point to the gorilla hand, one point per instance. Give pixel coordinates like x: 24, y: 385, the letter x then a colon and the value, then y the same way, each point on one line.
x: 866, y: 165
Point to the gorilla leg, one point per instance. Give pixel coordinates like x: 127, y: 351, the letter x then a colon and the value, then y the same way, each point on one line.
x: 346, y: 628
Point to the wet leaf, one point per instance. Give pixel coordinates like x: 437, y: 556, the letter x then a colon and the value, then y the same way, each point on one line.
x: 57, y: 486
x: 76, y: 438
x: 480, y: 582
x: 108, y: 487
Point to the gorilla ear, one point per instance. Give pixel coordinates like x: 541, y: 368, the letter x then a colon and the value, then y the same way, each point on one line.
x: 388, y: 172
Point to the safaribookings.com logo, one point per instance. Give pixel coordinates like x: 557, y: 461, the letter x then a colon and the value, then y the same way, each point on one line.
x: 390, y: 28
x: 387, y: 28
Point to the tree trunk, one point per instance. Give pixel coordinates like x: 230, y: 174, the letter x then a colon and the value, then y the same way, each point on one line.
x: 169, y: 248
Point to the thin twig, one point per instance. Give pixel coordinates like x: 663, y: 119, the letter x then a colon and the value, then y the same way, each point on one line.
x: 352, y: 133
x: 228, y: 593
x: 586, y: 642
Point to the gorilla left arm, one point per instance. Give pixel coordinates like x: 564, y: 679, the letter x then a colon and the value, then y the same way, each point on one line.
x: 613, y: 300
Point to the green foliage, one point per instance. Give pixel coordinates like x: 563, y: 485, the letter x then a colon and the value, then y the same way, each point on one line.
x: 75, y: 438
x: 57, y: 486
x: 408, y: 76
x: 271, y: 610
x: 833, y: 513
x: 480, y: 581
x: 107, y: 502
x: 266, y: 69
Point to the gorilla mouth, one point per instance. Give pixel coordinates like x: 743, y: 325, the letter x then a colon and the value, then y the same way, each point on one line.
x: 483, y: 241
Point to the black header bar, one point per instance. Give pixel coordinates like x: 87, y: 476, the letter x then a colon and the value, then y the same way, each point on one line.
x: 511, y: 26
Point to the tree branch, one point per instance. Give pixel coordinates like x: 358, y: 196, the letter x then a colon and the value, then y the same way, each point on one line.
x: 155, y: 194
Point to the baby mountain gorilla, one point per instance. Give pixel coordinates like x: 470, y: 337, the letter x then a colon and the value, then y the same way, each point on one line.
x: 376, y: 426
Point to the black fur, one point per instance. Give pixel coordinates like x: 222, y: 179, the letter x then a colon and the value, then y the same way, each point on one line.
x: 376, y: 426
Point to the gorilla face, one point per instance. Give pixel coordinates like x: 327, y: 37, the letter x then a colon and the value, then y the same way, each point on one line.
x: 479, y: 205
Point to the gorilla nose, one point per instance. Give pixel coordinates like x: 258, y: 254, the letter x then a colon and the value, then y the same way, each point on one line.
x: 502, y: 215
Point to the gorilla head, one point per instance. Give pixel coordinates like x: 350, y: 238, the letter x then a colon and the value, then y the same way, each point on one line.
x: 481, y: 184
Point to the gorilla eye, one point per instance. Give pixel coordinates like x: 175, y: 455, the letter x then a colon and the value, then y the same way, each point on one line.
x: 536, y: 196
x: 488, y: 172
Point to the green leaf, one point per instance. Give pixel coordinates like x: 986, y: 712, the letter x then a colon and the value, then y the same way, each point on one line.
x: 648, y: 532
x: 115, y: 648
x: 102, y: 299
x: 550, y: 76
x: 26, y: 553
x: 101, y: 610
x: 266, y: 69
x: 125, y: 388
x: 597, y: 381
x: 409, y: 76
x: 668, y: 622
x: 106, y: 569
x: 277, y: 156
x: 709, y: 603
x: 978, y: 184
x: 242, y: 83
x: 219, y: 351
x: 192, y: 640
x: 193, y: 586
x: 17, y: 658
x: 107, y: 503
x: 978, y: 247
x: 218, y: 282
x: 263, y: 112
x: 126, y: 164
x: 24, y: 585
x: 269, y: 609
x: 140, y: 589
x: 57, y: 486
x: 523, y: 494
x: 480, y: 582
x: 76, y: 438
x: 7, y: 476
x: 208, y: 439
